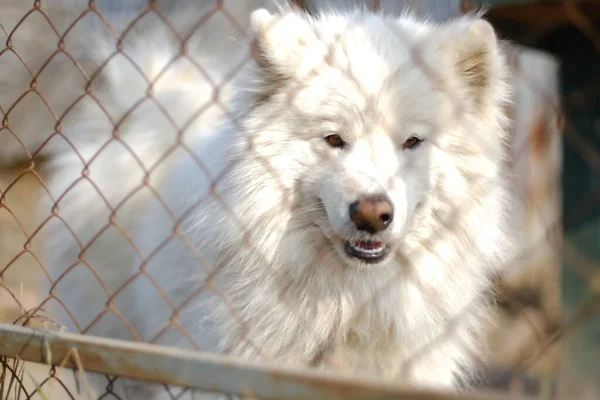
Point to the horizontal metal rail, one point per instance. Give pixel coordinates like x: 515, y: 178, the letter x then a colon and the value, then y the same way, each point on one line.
x: 196, y: 370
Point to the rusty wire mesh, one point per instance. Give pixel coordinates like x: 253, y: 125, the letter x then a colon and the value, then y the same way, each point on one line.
x: 528, y: 333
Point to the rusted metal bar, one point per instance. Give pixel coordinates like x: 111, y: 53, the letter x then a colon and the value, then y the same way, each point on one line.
x: 161, y: 364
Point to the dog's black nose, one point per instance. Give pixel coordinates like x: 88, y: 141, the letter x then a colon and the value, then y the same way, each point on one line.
x: 372, y: 214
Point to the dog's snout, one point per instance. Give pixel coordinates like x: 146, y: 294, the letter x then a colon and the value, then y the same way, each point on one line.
x: 372, y: 214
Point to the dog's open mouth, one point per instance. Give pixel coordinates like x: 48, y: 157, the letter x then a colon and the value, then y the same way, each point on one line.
x: 367, y: 251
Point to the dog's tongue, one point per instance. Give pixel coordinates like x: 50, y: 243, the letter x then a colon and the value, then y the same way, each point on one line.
x: 368, y: 245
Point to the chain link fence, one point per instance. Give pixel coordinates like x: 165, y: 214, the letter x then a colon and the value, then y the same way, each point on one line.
x: 165, y: 70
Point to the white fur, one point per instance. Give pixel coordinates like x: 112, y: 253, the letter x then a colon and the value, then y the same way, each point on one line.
x: 272, y: 226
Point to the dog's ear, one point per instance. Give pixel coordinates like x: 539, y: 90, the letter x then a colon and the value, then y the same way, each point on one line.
x: 281, y: 42
x: 471, y: 48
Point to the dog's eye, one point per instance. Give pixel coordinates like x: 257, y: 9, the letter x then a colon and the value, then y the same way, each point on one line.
x: 412, y: 142
x: 335, y: 141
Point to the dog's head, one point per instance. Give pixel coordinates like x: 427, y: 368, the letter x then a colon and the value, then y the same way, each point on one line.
x: 372, y: 121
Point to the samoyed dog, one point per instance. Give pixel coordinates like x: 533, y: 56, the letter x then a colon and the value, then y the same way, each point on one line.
x: 344, y: 207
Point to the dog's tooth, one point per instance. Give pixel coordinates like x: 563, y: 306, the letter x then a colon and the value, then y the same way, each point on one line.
x: 368, y: 251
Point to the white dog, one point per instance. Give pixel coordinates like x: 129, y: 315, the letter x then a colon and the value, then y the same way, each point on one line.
x: 347, y: 213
